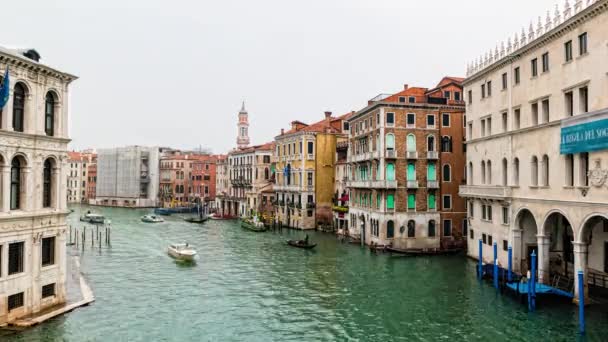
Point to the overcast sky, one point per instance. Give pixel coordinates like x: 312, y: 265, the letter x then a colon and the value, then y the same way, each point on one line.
x: 174, y: 73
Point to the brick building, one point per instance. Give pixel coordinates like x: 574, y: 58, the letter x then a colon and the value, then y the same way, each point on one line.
x: 187, y: 178
x: 407, y: 158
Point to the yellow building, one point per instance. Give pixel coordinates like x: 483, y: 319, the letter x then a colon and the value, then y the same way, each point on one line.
x: 305, y: 161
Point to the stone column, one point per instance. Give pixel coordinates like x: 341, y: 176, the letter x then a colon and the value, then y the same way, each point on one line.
x: 30, y: 110
x: 544, y: 274
x: 580, y: 264
x: 516, y: 244
x: 28, y: 193
x: 7, y: 112
x: 56, y: 186
x: 35, y: 264
x: 6, y: 188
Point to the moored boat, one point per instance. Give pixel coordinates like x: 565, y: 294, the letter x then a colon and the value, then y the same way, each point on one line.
x: 181, y: 251
x: 152, y: 219
x: 93, y: 218
x: 422, y: 252
x: 254, y: 226
x: 162, y: 211
x: 301, y: 244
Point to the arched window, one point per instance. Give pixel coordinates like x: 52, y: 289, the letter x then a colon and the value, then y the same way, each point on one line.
x: 47, y: 184
x: 411, y: 229
x: 545, y: 168
x: 489, y: 172
x: 390, y: 172
x: 430, y: 143
x: 447, y: 173
x: 534, y: 171
x: 516, y: 171
x: 432, y: 228
x: 266, y: 175
x: 16, y: 184
x: 390, y: 141
x: 446, y: 144
x: 504, y: 172
x: 177, y: 189
x: 390, y: 230
x: 49, y: 114
x: 483, y: 172
x: 411, y: 143
x: 18, y: 107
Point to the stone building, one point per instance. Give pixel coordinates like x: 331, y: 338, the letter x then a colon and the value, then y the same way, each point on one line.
x: 537, y: 116
x: 187, y: 178
x: 127, y: 177
x: 406, y: 160
x: 78, y: 176
x: 34, y: 160
x: 340, y: 199
x: 249, y: 173
x: 305, y: 162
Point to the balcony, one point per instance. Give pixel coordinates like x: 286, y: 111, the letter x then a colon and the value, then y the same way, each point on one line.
x: 358, y: 184
x: 383, y: 184
x: 360, y: 157
x: 432, y: 184
x: 392, y: 154
x: 412, y: 184
x: 286, y: 187
x: 412, y: 155
x: 310, y: 157
x: 485, y: 191
x: 432, y: 155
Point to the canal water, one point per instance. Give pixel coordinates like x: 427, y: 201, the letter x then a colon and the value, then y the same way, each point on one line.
x: 249, y: 286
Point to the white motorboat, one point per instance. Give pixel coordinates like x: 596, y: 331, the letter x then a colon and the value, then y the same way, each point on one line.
x: 181, y: 251
x: 152, y: 219
x: 93, y: 218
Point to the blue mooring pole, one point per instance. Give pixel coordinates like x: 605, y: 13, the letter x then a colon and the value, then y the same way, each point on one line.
x: 495, y: 265
x: 510, y: 274
x: 480, y: 265
x: 581, y: 302
x: 532, y: 283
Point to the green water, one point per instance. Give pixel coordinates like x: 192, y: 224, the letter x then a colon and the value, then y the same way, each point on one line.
x: 252, y: 287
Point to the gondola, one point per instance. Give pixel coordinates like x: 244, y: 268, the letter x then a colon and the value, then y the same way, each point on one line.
x: 195, y: 219
x: 301, y: 244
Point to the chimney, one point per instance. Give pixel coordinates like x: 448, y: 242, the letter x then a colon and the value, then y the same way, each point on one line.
x: 405, y: 86
x: 327, y: 115
x: 282, y: 131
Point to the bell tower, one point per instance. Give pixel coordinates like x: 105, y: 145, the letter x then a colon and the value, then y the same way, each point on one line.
x: 242, y: 139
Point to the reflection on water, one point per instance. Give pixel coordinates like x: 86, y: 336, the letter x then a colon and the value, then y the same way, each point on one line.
x: 252, y: 286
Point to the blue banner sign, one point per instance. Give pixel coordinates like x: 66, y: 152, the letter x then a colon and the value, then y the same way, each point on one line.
x: 585, y: 137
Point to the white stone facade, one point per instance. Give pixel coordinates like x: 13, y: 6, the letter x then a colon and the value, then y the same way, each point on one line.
x: 33, y: 208
x: 522, y: 192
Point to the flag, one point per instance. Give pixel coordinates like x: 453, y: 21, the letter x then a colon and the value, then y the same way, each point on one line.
x: 4, y: 90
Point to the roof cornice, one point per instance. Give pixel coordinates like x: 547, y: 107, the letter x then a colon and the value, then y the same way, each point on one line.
x: 19, y: 61
x: 567, y: 25
x: 376, y: 105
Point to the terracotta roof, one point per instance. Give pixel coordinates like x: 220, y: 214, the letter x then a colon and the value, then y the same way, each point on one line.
x: 195, y: 157
x: 323, y: 125
x: 269, y: 146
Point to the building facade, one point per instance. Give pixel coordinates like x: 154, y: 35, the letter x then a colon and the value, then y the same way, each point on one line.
x: 305, y: 172
x: 340, y: 199
x: 538, y: 122
x: 34, y: 160
x: 406, y: 157
x: 187, y: 178
x: 127, y: 177
x: 249, y: 174
x: 79, y: 180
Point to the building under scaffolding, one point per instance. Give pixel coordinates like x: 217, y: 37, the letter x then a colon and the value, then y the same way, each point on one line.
x: 127, y: 176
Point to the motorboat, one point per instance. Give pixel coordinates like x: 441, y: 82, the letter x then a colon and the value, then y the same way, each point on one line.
x: 162, y: 211
x: 152, y: 219
x: 196, y: 219
x: 181, y: 251
x: 93, y: 218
